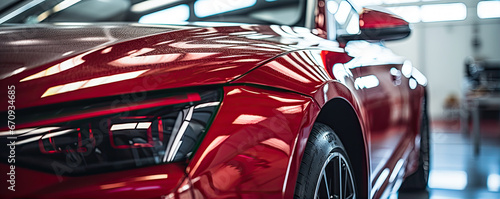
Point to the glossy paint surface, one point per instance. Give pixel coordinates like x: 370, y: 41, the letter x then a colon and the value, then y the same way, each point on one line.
x: 382, y: 90
x: 276, y: 80
x: 368, y: 76
x: 181, y: 58
x: 252, y: 149
x: 45, y: 44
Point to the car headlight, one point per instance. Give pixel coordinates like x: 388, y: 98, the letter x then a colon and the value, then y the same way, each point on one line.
x: 110, y: 136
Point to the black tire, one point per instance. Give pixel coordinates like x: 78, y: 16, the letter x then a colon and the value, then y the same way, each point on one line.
x: 418, y: 180
x: 324, y: 167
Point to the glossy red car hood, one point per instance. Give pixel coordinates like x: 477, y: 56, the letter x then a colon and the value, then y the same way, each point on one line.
x: 50, y: 64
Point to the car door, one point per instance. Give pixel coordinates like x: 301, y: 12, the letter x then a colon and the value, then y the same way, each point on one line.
x: 378, y: 80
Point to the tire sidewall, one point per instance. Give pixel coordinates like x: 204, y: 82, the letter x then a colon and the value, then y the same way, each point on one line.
x: 322, y: 143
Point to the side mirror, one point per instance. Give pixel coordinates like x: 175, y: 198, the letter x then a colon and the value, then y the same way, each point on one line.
x: 378, y: 25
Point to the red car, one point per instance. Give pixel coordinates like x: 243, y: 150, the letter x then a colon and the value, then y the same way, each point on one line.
x: 315, y: 107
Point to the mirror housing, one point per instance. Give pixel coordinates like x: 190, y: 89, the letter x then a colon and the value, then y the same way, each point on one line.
x: 378, y: 25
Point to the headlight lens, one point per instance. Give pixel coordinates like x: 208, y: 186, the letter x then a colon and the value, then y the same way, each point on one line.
x: 103, y: 140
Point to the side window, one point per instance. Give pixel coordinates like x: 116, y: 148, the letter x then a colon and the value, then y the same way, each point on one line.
x: 174, y: 14
x: 342, y: 18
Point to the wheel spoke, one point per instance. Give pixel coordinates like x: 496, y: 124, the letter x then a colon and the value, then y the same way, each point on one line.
x: 340, y: 177
x: 326, y: 184
x: 345, y: 185
x: 335, y: 180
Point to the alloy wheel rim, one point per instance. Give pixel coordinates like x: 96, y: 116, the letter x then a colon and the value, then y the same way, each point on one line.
x: 335, y: 180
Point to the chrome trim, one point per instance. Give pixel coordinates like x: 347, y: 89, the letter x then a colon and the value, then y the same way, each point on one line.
x: 310, y: 6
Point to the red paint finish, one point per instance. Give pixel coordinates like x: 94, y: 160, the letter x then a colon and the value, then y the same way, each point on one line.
x: 332, y: 58
x: 297, y: 71
x: 276, y: 80
x: 252, y: 149
x: 45, y: 44
x: 372, y: 19
x: 389, y: 134
x: 368, y: 86
x: 161, y: 61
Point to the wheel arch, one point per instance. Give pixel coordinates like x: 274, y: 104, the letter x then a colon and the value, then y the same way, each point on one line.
x: 331, y: 97
x: 339, y: 114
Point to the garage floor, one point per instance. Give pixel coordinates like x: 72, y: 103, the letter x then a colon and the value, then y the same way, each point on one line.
x: 456, y: 173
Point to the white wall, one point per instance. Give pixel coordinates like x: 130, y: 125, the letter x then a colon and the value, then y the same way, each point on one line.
x: 438, y: 49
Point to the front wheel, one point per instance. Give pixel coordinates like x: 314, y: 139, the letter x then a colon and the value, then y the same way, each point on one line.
x: 325, y: 170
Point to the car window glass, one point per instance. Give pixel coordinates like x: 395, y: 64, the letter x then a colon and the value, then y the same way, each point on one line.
x: 282, y: 12
x: 342, y: 18
x: 181, y: 13
x: 69, y: 11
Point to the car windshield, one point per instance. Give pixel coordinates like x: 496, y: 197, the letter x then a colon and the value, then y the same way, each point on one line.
x: 283, y: 12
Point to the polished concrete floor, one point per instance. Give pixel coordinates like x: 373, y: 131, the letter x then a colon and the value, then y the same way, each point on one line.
x: 456, y: 173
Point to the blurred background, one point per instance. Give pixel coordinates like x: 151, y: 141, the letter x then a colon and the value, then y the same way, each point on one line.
x: 444, y: 34
x: 455, y: 43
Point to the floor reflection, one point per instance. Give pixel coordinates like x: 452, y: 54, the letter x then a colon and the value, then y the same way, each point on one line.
x: 455, y: 172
